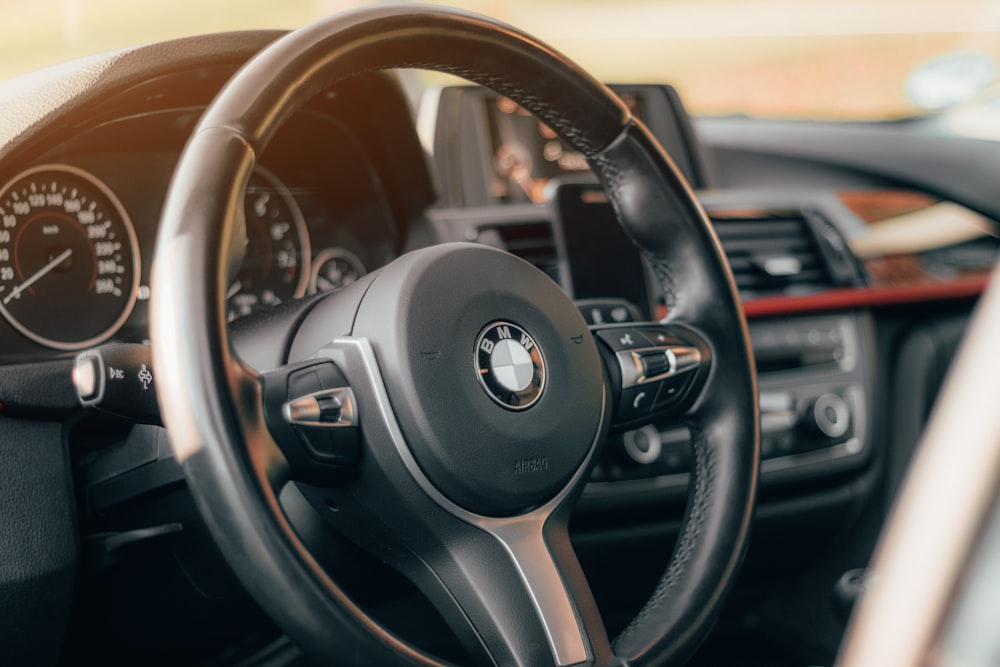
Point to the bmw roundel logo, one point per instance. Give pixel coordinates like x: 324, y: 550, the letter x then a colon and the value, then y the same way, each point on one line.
x: 510, y: 365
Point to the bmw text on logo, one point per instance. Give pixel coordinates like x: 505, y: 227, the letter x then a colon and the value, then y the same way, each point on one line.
x: 510, y: 365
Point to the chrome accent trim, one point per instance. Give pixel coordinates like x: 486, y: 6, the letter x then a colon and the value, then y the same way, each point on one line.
x: 522, y: 537
x: 836, y: 427
x: 777, y: 422
x: 850, y: 345
x: 631, y: 369
x: 532, y: 391
x: 655, y: 445
x: 307, y: 411
x: 88, y: 378
x: 682, y: 358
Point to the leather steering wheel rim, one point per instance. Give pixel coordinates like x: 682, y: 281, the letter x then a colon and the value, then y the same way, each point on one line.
x: 211, y: 402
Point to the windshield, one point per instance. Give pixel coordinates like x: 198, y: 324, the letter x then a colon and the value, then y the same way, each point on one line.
x: 849, y: 59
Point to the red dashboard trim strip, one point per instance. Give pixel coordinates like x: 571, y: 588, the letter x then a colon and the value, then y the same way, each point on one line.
x: 844, y: 299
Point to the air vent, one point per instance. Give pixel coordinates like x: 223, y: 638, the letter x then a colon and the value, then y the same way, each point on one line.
x: 531, y: 241
x: 779, y: 253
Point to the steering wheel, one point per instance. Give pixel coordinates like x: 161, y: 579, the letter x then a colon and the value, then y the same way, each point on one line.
x: 445, y: 411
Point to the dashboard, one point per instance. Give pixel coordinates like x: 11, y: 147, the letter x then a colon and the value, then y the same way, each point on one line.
x: 856, y: 285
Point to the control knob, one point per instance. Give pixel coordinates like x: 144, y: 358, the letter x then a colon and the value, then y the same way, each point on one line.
x: 828, y: 415
x: 643, y: 445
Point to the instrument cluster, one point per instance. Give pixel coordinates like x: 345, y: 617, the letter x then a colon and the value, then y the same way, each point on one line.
x: 78, y: 229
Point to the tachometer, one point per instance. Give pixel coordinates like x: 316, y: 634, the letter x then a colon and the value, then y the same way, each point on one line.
x: 68, y: 257
x: 276, y: 265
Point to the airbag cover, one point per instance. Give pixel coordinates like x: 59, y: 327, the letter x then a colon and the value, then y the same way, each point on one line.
x: 434, y: 315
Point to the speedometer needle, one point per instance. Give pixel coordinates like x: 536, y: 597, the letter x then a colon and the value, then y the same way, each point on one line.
x: 38, y: 275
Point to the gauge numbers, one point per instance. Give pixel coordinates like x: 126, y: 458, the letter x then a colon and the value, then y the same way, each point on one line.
x: 276, y: 265
x: 68, y: 257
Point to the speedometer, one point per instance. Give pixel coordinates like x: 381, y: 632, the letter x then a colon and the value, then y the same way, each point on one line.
x: 68, y: 257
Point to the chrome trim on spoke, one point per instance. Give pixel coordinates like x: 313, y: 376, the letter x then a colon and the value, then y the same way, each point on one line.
x: 680, y: 359
x: 330, y: 408
x: 521, y: 536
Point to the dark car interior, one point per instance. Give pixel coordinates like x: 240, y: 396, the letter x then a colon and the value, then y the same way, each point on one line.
x: 858, y: 252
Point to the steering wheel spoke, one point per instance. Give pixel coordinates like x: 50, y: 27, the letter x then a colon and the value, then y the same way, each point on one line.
x: 517, y: 596
x: 511, y: 591
x: 510, y: 587
x: 548, y: 569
